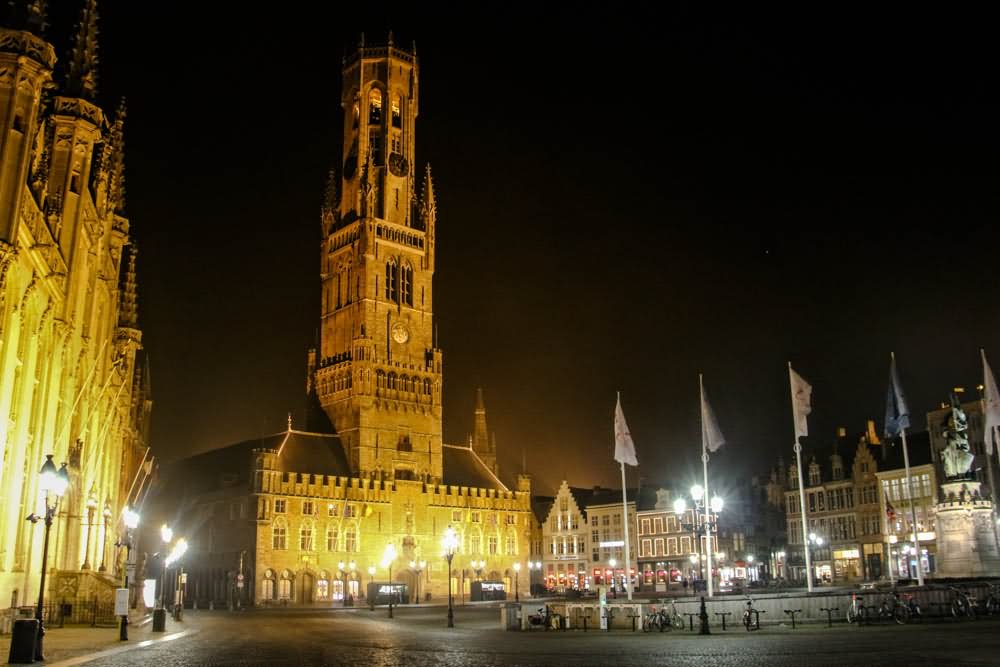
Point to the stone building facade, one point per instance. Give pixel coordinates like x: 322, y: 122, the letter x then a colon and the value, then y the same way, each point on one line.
x: 73, y: 381
x: 285, y: 511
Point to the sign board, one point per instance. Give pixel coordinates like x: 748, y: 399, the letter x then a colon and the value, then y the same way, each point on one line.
x: 121, y: 602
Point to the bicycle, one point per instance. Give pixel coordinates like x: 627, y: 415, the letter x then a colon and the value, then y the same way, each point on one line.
x: 857, y: 611
x: 962, y: 604
x: 892, y: 608
x: 914, y: 606
x: 991, y: 605
x: 656, y: 620
x: 751, y: 616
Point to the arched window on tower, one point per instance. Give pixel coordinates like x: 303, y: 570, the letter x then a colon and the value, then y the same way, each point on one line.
x: 406, y: 285
x: 375, y: 107
x: 397, y: 116
x: 392, y: 281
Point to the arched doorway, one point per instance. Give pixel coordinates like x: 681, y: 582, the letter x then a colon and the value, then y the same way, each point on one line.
x: 307, y: 588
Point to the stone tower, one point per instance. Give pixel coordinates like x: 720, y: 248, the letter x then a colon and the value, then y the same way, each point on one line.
x: 480, y: 440
x: 377, y: 373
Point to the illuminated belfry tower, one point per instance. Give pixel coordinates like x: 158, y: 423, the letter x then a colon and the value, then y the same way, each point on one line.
x: 377, y: 372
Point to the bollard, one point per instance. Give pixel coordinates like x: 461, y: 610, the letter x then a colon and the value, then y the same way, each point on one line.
x: 829, y: 614
x: 703, y: 615
x: 792, y: 612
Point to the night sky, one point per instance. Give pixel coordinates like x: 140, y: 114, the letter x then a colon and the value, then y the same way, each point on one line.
x: 625, y: 199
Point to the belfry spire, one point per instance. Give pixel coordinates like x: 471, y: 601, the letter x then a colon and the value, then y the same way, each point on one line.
x: 81, y: 77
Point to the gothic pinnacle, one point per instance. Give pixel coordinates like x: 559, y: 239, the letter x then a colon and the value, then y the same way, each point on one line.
x: 81, y: 78
x: 391, y: 40
x: 128, y: 314
x: 428, y: 202
x: 27, y: 15
x: 117, y: 185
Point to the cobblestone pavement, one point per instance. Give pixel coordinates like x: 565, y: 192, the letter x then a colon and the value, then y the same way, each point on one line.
x: 418, y: 637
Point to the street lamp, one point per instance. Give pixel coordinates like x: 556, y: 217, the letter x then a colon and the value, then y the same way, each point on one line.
x: 517, y: 571
x: 371, y: 588
x: 342, y: 571
x: 104, y: 541
x: 450, y: 543
x: 417, y: 567
x: 699, y: 500
x: 160, y: 614
x: 91, y: 510
x: 53, y: 484
x: 387, y: 558
x: 130, y: 518
x: 814, y: 541
x: 180, y: 548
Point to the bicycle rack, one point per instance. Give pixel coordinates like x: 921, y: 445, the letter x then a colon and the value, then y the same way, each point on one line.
x: 691, y: 616
x: 792, y: 612
x: 723, y: 614
x: 829, y: 614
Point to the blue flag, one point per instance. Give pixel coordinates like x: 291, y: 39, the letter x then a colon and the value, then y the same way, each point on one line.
x: 897, y: 415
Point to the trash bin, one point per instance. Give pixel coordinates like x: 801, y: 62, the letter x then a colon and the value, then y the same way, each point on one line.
x: 510, y: 616
x: 22, y: 641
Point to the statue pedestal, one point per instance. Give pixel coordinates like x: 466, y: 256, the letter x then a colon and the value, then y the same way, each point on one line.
x: 966, y: 542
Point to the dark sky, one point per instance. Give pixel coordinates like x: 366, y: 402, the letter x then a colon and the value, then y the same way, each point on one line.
x: 627, y: 197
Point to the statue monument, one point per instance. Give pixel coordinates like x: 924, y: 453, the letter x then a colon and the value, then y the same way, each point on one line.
x: 966, y: 541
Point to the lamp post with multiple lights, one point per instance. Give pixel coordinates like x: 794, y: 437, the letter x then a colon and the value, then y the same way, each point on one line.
x: 450, y: 543
x: 53, y: 484
x: 699, y: 505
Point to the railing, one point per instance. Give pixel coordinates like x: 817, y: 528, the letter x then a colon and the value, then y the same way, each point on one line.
x: 59, y: 613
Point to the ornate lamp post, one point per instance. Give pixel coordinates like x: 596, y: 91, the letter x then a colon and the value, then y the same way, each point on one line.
x: 517, y: 571
x: 130, y: 518
x: 450, y: 544
x: 699, y: 500
x: 387, y: 558
x: 160, y: 614
x: 53, y: 484
x: 180, y: 548
x: 371, y: 590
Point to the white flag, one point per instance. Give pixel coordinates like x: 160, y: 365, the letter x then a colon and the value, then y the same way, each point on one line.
x: 712, y: 437
x: 624, y: 447
x: 991, y: 405
x: 801, y: 402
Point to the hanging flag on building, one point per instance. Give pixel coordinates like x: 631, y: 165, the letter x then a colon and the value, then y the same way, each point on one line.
x: 801, y: 402
x: 710, y: 427
x: 897, y: 415
x: 890, y: 511
x: 991, y: 405
x: 624, y: 447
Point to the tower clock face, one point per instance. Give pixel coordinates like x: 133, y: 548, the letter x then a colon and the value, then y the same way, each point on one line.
x: 400, y: 333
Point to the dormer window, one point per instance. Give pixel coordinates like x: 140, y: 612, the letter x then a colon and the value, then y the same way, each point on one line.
x: 375, y: 107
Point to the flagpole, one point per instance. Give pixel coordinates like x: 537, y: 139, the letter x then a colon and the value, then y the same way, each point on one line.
x: 802, y: 494
x: 628, y: 555
x: 909, y: 495
x: 704, y: 461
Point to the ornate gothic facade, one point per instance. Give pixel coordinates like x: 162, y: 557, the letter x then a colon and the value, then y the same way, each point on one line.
x: 72, y: 381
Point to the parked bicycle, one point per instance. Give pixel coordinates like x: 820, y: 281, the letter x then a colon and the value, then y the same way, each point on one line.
x: 670, y: 620
x: 991, y: 605
x: 751, y: 616
x: 857, y: 611
x: 963, y: 604
x: 546, y: 618
x: 892, y: 608
x: 913, y: 605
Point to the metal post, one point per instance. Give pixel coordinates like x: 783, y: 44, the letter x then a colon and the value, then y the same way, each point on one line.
x: 123, y: 634
x: 392, y: 592
x: 49, y: 511
x: 451, y: 613
x: 703, y: 616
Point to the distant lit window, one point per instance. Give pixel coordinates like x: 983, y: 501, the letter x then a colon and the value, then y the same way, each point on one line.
x: 350, y: 540
x: 456, y: 515
x: 279, y: 506
x: 511, y: 548
x: 406, y: 285
x: 307, y: 507
x: 375, y: 107
x: 332, y: 538
x: 475, y: 517
x: 493, y: 545
x: 306, y: 536
x: 332, y: 510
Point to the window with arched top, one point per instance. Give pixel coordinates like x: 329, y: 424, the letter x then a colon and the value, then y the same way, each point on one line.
x: 306, y: 536
x: 392, y: 281
x: 375, y: 107
x: 332, y: 538
x: 279, y: 534
x: 427, y: 386
x: 397, y: 113
x: 406, y: 285
x: 392, y: 380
